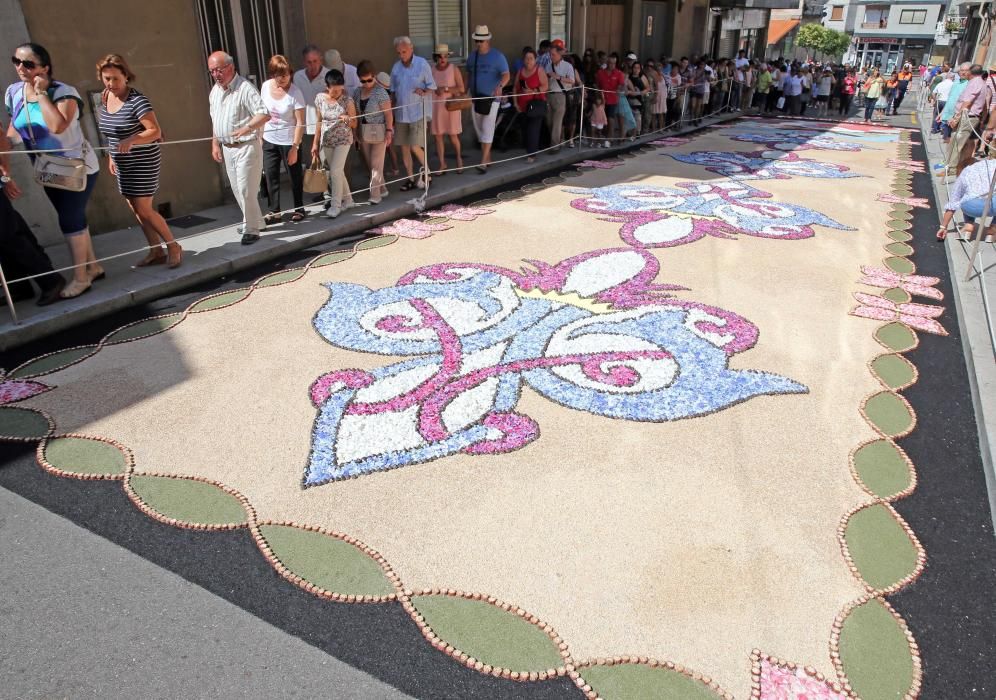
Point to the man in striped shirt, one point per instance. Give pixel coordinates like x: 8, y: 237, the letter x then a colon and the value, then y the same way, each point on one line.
x: 237, y: 117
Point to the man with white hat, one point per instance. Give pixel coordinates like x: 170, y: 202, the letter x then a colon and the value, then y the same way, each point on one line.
x: 487, y: 70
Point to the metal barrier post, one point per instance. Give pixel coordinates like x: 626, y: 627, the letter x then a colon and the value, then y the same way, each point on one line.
x: 6, y: 294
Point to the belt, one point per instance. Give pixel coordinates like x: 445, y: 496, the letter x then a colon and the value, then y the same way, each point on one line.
x: 237, y: 144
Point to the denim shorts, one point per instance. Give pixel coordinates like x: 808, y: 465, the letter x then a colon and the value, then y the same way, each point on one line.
x: 71, y: 206
x: 972, y: 209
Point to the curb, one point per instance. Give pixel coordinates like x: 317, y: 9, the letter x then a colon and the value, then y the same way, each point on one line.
x: 272, y: 248
x: 981, y: 420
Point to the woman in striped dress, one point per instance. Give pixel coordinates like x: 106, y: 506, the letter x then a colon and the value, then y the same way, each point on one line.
x: 126, y: 120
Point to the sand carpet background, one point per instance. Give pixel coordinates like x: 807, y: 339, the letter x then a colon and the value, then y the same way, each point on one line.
x: 695, y: 541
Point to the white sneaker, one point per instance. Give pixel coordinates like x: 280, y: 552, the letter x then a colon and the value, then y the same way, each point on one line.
x: 332, y: 213
x: 348, y: 205
x: 606, y: 145
x: 572, y: 145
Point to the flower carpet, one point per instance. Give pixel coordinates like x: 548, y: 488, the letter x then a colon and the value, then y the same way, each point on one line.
x: 635, y: 426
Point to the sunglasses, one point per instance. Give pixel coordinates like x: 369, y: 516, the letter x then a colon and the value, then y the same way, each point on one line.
x: 366, y: 81
x: 30, y: 65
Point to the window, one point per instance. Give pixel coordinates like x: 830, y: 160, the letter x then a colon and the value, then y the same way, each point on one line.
x: 837, y: 13
x: 551, y: 20
x: 912, y: 16
x: 248, y: 30
x: 432, y: 22
x: 876, y: 17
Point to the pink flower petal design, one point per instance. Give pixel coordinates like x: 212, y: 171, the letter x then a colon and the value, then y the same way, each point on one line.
x: 913, y: 165
x: 458, y: 213
x: 410, y: 228
x: 671, y: 141
x: 918, y: 316
x: 599, y: 164
x: 780, y: 682
x: 12, y: 390
x: 884, y: 278
x: 912, y: 201
x: 923, y: 324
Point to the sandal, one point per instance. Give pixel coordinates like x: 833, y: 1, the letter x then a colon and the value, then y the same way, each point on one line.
x: 297, y: 216
x: 409, y: 185
x: 272, y: 219
x: 175, y: 255
x: 97, y: 277
x: 74, y: 289
x: 154, y: 257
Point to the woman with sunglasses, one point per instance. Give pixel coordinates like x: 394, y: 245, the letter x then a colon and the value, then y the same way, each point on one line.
x: 449, y: 84
x: 376, y: 126
x: 46, y: 115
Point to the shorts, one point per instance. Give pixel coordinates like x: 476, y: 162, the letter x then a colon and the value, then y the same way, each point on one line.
x: 484, y: 124
x: 823, y: 98
x: 409, y: 133
x: 610, y: 110
x: 972, y: 209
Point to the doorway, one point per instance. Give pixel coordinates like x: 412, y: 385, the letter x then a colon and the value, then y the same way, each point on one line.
x: 251, y: 31
x: 655, y: 30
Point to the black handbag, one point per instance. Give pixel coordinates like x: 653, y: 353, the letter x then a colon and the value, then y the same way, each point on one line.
x: 481, y: 106
x: 536, y: 108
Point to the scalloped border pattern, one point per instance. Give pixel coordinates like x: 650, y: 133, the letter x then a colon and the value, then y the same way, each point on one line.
x: 900, y: 216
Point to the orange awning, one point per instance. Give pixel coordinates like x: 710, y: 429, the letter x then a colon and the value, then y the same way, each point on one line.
x: 778, y: 28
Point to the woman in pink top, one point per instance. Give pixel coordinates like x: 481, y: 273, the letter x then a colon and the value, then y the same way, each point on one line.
x: 449, y: 84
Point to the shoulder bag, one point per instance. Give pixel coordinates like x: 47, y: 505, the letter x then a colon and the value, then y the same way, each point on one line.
x: 481, y: 106
x: 52, y: 170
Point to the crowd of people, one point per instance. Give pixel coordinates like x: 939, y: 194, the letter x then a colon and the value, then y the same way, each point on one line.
x: 964, y: 117
x: 327, y: 112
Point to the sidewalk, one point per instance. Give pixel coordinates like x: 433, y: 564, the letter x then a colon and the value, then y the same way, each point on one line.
x: 974, y: 318
x: 218, y: 251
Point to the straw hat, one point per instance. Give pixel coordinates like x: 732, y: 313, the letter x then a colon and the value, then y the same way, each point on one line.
x: 481, y: 33
x: 441, y: 50
x: 384, y: 79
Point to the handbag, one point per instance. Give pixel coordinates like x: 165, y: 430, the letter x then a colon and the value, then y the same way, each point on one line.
x: 315, y: 179
x: 60, y: 172
x: 460, y: 102
x: 536, y: 108
x: 373, y: 133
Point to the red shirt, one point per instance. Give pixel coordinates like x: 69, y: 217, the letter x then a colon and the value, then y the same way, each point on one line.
x: 531, y: 82
x: 610, y: 81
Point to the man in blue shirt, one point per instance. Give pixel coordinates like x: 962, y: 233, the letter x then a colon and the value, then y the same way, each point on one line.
x: 487, y: 74
x: 411, y: 79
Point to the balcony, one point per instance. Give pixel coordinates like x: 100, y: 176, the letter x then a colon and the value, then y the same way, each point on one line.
x: 880, y: 24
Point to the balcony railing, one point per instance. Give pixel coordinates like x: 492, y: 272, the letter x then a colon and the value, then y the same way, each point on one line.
x: 881, y: 24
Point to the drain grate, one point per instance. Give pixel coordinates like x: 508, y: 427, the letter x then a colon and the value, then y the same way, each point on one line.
x: 189, y: 221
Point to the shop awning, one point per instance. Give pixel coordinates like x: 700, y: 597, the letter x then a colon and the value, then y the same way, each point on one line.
x: 778, y: 28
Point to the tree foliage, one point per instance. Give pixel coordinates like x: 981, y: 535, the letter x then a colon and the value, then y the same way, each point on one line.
x: 828, y: 42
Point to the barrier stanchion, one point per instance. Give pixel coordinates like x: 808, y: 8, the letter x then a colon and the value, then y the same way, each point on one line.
x: 580, y: 130
x: 6, y: 295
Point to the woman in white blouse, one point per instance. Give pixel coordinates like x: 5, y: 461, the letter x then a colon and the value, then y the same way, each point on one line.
x: 282, y: 137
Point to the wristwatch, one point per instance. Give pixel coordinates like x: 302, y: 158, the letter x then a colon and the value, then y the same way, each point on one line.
x: 4, y: 179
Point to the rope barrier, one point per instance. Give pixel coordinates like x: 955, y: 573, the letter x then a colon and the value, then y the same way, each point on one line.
x: 424, y: 173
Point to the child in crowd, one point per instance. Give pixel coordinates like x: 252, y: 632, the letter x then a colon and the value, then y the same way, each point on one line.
x: 598, y: 121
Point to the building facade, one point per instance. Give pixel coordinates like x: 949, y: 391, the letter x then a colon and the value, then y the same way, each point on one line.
x: 886, y: 35
x: 167, y: 43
